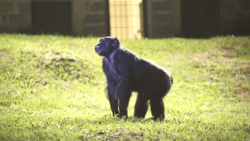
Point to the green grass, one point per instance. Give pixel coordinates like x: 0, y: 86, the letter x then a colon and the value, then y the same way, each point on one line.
x: 52, y: 88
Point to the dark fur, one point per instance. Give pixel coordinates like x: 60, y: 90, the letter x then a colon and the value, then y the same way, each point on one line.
x: 125, y: 72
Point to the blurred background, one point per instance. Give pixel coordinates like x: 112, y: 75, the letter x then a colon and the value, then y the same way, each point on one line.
x: 126, y: 19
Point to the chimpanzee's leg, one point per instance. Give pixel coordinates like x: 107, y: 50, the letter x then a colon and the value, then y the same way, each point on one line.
x: 123, y: 105
x: 123, y: 92
x: 114, y: 105
x: 157, y: 108
x: 113, y: 102
x: 141, y: 107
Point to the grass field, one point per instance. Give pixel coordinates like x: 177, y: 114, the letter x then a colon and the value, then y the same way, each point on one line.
x: 52, y: 88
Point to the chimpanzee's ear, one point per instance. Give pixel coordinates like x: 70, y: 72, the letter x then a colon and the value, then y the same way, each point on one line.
x: 116, y: 42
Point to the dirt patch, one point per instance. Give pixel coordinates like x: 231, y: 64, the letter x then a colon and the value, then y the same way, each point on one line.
x: 2, y: 50
x: 224, y: 56
x: 228, y: 52
x: 66, y: 66
x: 246, y: 71
x: 117, y: 135
x: 217, y: 56
x: 58, y: 57
x: 242, y: 91
x: 123, y: 134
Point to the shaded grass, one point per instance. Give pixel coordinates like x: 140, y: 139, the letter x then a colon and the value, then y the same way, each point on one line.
x: 52, y: 88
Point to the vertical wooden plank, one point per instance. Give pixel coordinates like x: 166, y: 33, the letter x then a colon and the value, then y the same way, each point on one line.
x: 126, y: 19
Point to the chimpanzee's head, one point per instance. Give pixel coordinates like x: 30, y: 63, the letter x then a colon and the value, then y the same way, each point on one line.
x: 107, y: 45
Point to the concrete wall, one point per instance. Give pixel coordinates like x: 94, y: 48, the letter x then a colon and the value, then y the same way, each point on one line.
x: 163, y: 18
x: 235, y: 17
x: 15, y: 16
x: 89, y: 18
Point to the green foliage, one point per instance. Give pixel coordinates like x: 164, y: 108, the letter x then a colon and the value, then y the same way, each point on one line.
x: 52, y: 88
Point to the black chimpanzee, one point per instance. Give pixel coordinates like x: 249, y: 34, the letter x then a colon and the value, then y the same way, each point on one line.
x: 125, y: 72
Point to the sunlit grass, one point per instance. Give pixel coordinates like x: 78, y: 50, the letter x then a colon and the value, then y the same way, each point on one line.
x: 52, y: 87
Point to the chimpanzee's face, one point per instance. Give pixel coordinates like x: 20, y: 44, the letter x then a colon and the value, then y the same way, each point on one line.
x: 106, y: 46
x: 103, y: 47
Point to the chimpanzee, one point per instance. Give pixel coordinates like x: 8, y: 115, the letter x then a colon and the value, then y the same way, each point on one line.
x: 126, y: 72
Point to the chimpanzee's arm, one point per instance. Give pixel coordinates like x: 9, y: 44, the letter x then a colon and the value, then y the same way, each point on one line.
x: 111, y: 86
x: 122, y: 65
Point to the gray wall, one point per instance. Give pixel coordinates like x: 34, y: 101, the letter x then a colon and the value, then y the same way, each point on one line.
x: 89, y: 17
x: 235, y: 17
x: 15, y: 16
x: 163, y: 18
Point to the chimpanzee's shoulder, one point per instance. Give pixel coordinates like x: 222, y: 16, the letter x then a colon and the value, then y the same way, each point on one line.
x: 125, y: 52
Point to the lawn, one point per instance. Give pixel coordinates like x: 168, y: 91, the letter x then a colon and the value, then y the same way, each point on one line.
x: 52, y: 88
